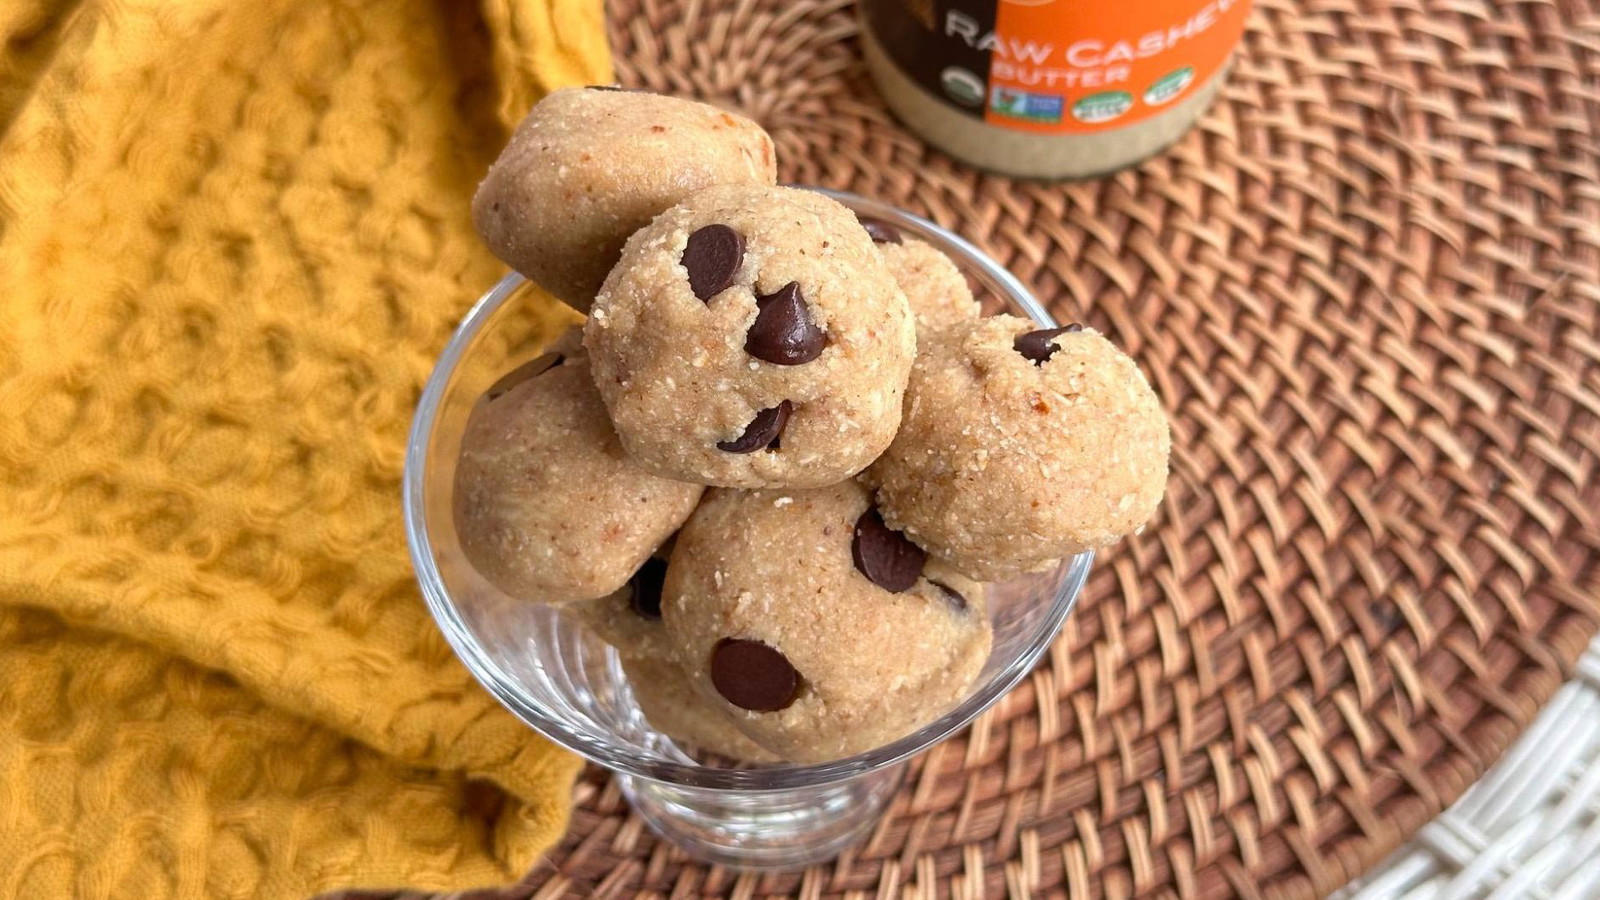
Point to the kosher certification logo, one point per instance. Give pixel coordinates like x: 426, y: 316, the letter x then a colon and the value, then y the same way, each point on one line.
x: 1025, y: 105
x: 1102, y: 107
x: 962, y: 85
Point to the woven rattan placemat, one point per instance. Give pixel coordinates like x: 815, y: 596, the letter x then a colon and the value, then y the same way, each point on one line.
x: 1530, y: 827
x: 1368, y: 289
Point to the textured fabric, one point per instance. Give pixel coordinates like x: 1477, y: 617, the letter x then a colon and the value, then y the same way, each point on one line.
x: 232, y: 238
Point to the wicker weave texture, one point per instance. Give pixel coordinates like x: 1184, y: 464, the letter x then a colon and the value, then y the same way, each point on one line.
x: 1368, y: 289
x: 1530, y: 828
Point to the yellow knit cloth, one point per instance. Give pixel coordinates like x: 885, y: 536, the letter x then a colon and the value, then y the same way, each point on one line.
x: 233, y: 236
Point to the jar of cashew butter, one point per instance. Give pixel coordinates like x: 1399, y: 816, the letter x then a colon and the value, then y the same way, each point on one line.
x: 1050, y: 88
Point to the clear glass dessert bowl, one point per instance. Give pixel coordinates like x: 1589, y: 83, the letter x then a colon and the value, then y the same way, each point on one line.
x: 552, y: 673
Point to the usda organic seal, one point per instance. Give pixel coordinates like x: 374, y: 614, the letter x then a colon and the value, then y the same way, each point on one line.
x: 962, y: 85
x: 1169, y: 86
x: 1102, y: 107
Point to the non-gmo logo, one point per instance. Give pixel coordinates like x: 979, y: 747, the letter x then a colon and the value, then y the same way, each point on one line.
x: 962, y: 85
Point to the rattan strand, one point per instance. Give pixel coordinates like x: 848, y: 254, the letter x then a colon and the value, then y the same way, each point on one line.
x: 1528, y: 828
x: 1368, y: 288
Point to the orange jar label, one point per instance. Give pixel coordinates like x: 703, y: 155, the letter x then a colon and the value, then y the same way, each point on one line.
x: 1059, y: 66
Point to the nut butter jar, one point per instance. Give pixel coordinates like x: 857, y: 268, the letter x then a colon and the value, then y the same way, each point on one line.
x: 1050, y: 88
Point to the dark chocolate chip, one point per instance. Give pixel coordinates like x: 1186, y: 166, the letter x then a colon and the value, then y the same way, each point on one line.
x: 712, y: 256
x: 762, y: 432
x: 753, y: 676
x: 885, y: 556
x: 1040, y: 345
x: 528, y: 371
x: 880, y: 231
x: 783, y: 333
x: 610, y: 87
x: 646, y: 584
x: 950, y: 595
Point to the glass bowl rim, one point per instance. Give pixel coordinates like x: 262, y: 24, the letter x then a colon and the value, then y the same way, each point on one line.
x: 620, y: 758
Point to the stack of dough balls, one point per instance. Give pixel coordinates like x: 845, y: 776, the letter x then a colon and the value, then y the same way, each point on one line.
x: 778, y: 461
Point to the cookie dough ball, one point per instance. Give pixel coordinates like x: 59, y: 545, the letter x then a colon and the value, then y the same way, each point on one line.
x: 629, y: 618
x: 567, y: 346
x: 752, y: 337
x: 817, y: 629
x: 590, y: 166
x: 630, y: 621
x: 934, y: 286
x: 672, y: 707
x: 1021, y: 447
x: 546, y: 505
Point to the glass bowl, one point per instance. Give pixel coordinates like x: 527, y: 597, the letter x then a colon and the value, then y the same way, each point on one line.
x: 561, y: 680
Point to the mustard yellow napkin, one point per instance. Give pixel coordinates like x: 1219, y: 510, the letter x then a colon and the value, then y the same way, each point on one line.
x: 233, y: 235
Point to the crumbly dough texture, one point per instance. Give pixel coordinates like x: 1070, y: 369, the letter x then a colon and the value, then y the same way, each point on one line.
x: 1002, y: 466
x: 614, y: 619
x: 776, y: 566
x: 934, y: 287
x: 588, y: 167
x: 674, y: 369
x: 659, y: 684
x: 672, y: 706
x: 547, y: 507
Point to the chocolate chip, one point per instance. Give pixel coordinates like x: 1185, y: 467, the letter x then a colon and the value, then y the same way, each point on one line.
x: 646, y: 584
x: 1040, y: 345
x: 885, y: 556
x: 783, y: 333
x: 712, y: 257
x: 528, y: 371
x: 753, y: 676
x: 880, y: 231
x: 762, y: 432
x: 950, y: 595
x: 617, y: 88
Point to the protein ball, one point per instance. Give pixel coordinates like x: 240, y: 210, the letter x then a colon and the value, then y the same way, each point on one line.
x: 672, y: 706
x: 752, y: 337
x: 819, y: 631
x: 629, y: 618
x: 1021, y: 447
x: 934, y: 287
x: 589, y: 166
x: 569, y: 346
x: 547, y: 507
